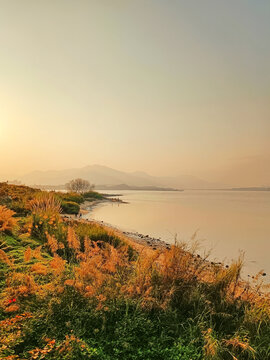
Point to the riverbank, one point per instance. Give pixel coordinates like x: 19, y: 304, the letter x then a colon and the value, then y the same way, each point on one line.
x: 249, y: 271
x: 147, y: 245
x: 225, y: 222
x: 78, y: 289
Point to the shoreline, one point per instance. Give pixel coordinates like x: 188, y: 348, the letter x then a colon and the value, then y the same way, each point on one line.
x: 138, y: 238
x: 141, y: 241
x: 144, y: 244
x: 87, y: 206
x: 148, y: 246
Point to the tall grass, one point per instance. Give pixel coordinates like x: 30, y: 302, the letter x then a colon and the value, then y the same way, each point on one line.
x: 45, y: 203
x: 7, y: 221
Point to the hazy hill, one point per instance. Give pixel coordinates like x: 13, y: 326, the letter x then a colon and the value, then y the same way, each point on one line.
x: 103, y: 175
x: 180, y: 182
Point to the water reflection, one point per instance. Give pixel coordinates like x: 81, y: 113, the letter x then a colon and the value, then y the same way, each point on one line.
x: 227, y: 221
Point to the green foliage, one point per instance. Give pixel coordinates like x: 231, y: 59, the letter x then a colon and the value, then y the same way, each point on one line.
x: 70, y: 207
x: 71, y: 196
x: 20, y: 208
x: 93, y: 195
x: 123, y: 331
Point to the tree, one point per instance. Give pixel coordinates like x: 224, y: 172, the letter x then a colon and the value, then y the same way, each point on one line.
x: 79, y: 185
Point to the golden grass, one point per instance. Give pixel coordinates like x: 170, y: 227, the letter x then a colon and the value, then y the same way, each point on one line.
x: 7, y: 221
x: 45, y: 203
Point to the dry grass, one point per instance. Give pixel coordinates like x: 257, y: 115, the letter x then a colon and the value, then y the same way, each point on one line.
x: 7, y: 221
x: 45, y: 203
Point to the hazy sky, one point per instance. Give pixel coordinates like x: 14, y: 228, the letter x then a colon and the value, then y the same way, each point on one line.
x: 167, y: 86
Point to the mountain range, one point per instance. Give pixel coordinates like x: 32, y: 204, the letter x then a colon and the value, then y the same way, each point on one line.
x: 103, y: 175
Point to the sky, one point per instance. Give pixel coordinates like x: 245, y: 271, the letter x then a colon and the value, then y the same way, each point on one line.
x: 167, y: 87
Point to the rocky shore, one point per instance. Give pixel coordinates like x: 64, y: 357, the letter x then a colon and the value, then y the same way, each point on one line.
x: 147, y: 240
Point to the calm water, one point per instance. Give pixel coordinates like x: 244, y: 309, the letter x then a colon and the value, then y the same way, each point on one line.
x: 226, y: 221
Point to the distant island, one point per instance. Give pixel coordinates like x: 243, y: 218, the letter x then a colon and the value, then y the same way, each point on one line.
x: 251, y: 189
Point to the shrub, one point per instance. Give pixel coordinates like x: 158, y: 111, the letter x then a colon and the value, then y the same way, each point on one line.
x: 93, y: 195
x: 70, y: 207
x: 70, y: 196
x: 20, y: 208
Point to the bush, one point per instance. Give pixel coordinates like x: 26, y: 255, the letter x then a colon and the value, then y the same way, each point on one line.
x: 70, y: 207
x: 93, y: 195
x: 20, y: 208
x: 70, y: 196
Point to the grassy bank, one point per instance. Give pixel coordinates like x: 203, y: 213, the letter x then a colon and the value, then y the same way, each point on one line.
x: 77, y: 290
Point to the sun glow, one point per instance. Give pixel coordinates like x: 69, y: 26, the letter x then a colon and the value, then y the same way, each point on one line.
x: 1, y: 129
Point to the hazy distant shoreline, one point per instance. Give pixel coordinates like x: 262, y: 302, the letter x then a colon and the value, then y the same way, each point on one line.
x: 124, y: 187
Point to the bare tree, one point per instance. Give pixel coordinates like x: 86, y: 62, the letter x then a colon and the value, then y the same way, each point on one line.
x: 79, y: 185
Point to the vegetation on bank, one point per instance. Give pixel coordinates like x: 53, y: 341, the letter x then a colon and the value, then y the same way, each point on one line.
x: 17, y: 198
x: 74, y: 290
